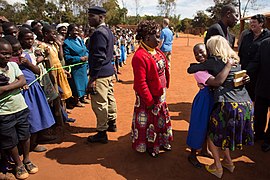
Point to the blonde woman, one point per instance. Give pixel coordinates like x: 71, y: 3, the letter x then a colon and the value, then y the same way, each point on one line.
x: 231, y: 121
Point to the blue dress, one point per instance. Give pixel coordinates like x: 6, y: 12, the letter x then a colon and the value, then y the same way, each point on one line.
x: 74, y: 49
x: 200, y: 115
x: 40, y: 116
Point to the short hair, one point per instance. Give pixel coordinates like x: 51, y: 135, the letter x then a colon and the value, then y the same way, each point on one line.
x: 166, y: 21
x: 259, y: 17
x: 22, y: 33
x: 225, y: 9
x: 145, y: 28
x: 11, y: 39
x: 34, y: 23
x: 219, y: 46
x: 3, y: 42
x: 47, y: 28
x: 7, y: 25
x: 197, y: 45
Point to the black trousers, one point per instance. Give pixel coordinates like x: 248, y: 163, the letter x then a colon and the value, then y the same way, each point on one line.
x: 260, y: 112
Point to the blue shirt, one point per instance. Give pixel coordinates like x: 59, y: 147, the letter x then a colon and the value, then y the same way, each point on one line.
x: 167, y: 37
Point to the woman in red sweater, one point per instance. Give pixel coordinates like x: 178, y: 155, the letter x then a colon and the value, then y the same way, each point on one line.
x: 151, y: 126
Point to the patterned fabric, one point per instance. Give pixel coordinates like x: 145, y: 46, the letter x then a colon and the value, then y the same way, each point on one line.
x: 151, y: 128
x: 231, y: 125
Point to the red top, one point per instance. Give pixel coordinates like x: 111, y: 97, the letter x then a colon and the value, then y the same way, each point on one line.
x: 147, y: 81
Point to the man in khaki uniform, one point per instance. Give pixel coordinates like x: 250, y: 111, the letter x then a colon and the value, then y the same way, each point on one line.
x: 101, y: 69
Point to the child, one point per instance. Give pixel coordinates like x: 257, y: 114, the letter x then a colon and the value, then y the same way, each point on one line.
x: 14, y: 126
x: 202, y: 105
x: 40, y: 116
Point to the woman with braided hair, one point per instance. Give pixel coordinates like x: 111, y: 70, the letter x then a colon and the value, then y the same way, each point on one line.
x: 151, y: 126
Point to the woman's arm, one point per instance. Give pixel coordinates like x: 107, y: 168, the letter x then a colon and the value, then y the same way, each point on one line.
x: 69, y: 57
x: 221, y: 77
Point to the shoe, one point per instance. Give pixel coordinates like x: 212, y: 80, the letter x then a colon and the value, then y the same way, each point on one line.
x: 194, y: 161
x: 85, y: 101
x: 100, y: 137
x: 118, y: 72
x: 265, y: 147
x: 229, y: 167
x: 152, y: 153
x: 167, y: 147
x: 217, y: 172
x: 71, y: 120
x: 112, y: 126
x: 39, y: 149
x: 124, y: 63
x: 46, y: 138
x: 21, y: 172
x: 79, y: 104
x: 31, y: 168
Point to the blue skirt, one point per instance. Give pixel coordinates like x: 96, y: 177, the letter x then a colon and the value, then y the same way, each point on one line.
x: 200, y: 115
x: 40, y: 116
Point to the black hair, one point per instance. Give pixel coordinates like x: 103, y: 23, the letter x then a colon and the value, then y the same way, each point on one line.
x: 11, y: 39
x: 7, y: 25
x: 3, y: 42
x: 22, y: 33
x: 70, y: 28
x: 259, y: 17
x: 225, y: 9
x: 34, y: 23
x: 145, y: 28
x: 47, y: 29
x: 197, y: 45
x: 26, y: 26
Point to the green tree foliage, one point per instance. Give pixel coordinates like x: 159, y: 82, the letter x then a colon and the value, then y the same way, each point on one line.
x: 115, y: 15
x: 215, y: 10
x: 166, y: 7
x: 35, y: 9
x: 186, y: 24
x: 200, y: 20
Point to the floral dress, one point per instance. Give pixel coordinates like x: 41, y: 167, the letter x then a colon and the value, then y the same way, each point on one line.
x: 151, y: 128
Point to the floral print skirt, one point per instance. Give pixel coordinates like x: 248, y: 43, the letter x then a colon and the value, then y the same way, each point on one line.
x: 231, y: 125
x: 151, y: 128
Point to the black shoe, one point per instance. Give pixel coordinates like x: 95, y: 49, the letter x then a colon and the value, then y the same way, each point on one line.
x: 70, y: 120
x: 166, y: 148
x: 265, y: 147
x: 112, y: 126
x: 194, y: 161
x: 100, y: 137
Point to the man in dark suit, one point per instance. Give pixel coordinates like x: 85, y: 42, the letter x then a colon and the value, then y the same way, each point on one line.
x: 262, y: 92
x: 101, y: 70
x: 229, y: 18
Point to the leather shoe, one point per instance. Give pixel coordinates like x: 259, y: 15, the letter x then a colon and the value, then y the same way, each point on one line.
x: 100, y: 137
x: 112, y: 126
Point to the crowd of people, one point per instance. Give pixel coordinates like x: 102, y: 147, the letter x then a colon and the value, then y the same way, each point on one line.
x: 46, y: 69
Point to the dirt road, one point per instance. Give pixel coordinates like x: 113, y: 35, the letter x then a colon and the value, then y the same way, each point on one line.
x: 74, y: 158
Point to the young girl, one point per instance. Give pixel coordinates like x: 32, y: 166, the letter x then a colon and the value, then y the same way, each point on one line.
x: 40, y: 116
x: 202, y: 106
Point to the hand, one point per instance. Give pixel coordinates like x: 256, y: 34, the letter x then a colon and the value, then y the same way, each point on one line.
x: 24, y: 61
x: 46, y: 51
x: 201, y: 86
x: 84, y: 58
x: 40, y: 59
x: 246, y: 79
x: 59, y: 43
x: 91, y: 87
x: 231, y: 61
x: 25, y: 87
x: 68, y: 74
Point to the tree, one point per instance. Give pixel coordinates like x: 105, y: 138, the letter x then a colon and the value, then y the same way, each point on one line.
x: 35, y: 9
x: 186, y: 24
x: 200, y: 20
x: 166, y: 7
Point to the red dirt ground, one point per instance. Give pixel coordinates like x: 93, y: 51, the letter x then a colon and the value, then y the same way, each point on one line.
x: 74, y: 158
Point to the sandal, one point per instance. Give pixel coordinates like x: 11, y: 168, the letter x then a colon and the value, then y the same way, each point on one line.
x: 216, y: 172
x: 79, y: 104
x: 194, y: 161
x: 167, y: 147
x: 227, y: 166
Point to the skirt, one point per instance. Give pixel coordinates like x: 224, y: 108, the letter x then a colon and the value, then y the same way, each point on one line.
x: 151, y: 128
x: 231, y: 125
x: 200, y: 115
